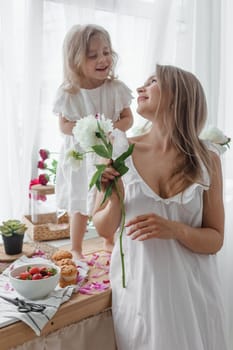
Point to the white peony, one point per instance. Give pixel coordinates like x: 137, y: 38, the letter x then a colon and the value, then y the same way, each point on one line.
x: 86, y: 129
x: 217, y: 137
x: 214, y: 135
x: 74, y: 159
x: 120, y: 143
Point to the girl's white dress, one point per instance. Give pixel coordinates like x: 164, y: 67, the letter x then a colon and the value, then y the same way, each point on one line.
x: 109, y: 99
x: 172, y: 299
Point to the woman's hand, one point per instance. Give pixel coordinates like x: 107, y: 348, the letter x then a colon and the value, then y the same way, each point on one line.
x: 108, y: 176
x: 149, y: 226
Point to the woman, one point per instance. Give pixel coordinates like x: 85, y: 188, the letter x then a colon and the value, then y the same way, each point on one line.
x: 174, y: 224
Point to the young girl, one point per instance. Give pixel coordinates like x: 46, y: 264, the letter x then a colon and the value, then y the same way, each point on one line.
x: 89, y: 87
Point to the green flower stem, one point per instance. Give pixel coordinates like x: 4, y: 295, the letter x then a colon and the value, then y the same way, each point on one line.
x: 121, y: 231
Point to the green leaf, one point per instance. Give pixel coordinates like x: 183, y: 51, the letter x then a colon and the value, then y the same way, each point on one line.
x: 96, y: 178
x: 102, y: 151
x: 108, y: 193
x: 125, y: 155
x: 121, y: 168
x: 102, y: 134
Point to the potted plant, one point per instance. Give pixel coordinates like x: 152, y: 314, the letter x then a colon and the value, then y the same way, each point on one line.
x: 12, y: 232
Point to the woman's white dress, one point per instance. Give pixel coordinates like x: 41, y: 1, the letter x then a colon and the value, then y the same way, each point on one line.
x: 172, y: 299
x: 109, y: 99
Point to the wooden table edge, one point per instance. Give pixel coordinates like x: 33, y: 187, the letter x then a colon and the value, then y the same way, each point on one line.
x: 76, y: 309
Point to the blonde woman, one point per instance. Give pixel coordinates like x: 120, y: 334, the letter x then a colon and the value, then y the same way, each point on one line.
x: 174, y: 224
x: 89, y: 87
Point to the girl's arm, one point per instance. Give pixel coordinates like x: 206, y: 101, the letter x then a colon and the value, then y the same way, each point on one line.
x: 66, y: 126
x: 207, y: 239
x: 126, y: 120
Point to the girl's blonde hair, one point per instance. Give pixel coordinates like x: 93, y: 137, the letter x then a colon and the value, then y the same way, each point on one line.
x: 75, y: 49
x: 183, y: 100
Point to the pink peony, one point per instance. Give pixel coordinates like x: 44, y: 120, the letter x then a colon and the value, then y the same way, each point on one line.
x: 44, y: 153
x: 41, y: 165
x: 43, y: 179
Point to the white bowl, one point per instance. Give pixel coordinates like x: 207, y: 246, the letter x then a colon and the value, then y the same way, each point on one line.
x: 34, y: 289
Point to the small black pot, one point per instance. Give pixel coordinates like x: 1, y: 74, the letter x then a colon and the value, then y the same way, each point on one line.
x: 13, y: 244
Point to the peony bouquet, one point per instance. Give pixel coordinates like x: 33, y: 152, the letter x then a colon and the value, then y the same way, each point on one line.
x: 93, y: 133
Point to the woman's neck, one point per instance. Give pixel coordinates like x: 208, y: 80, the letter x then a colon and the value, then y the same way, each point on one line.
x: 159, y: 138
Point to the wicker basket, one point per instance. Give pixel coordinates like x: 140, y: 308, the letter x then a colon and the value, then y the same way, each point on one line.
x: 46, y: 230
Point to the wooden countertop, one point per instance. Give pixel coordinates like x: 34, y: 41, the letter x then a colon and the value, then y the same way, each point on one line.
x: 79, y: 307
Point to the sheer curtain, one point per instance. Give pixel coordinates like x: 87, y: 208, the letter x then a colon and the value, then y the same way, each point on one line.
x: 20, y: 84
x: 31, y: 36
x: 193, y: 34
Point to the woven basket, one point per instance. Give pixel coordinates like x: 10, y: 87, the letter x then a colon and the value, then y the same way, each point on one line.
x: 46, y: 230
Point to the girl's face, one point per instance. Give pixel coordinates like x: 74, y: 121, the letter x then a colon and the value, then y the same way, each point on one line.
x: 149, y: 98
x: 97, y: 64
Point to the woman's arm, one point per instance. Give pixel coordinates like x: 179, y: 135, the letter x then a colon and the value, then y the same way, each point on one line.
x: 66, y: 126
x: 106, y: 217
x: 126, y: 120
x: 207, y: 239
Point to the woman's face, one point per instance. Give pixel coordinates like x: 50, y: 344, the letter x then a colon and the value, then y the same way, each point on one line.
x: 98, y: 62
x: 148, y: 98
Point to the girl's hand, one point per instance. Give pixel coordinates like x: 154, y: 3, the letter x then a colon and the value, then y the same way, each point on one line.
x: 149, y: 226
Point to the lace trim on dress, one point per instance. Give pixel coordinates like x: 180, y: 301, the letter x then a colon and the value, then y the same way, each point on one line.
x: 70, y: 105
x: 133, y: 177
x: 123, y: 98
x: 121, y: 144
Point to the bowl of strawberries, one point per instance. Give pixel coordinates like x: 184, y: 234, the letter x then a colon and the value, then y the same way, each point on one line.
x: 35, y: 281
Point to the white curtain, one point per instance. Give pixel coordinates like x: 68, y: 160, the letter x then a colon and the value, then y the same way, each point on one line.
x: 31, y: 36
x: 20, y: 84
x: 193, y: 34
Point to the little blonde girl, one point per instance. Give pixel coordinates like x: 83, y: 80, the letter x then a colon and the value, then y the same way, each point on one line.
x: 89, y: 87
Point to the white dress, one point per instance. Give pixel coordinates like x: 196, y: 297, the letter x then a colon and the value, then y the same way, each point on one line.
x: 109, y: 99
x: 172, y: 299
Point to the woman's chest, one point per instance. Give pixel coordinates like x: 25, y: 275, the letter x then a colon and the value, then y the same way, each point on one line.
x: 156, y: 172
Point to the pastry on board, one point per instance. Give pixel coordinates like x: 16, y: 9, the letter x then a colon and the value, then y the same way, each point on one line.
x: 66, y: 261
x: 61, y: 254
x: 69, y: 274
x: 69, y: 270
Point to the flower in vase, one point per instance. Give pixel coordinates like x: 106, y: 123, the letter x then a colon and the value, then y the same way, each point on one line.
x: 44, y: 154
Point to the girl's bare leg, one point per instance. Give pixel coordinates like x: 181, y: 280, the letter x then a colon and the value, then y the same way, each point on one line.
x: 109, y: 244
x: 78, y: 226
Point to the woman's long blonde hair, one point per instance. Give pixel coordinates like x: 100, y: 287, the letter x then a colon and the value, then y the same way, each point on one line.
x: 75, y: 49
x: 183, y: 100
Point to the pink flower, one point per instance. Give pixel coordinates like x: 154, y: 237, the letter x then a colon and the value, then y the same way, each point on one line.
x: 41, y: 165
x: 43, y: 179
x: 44, y: 153
x: 34, y: 182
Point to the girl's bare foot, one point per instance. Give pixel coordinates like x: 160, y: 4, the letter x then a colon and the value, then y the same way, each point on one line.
x: 77, y: 255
